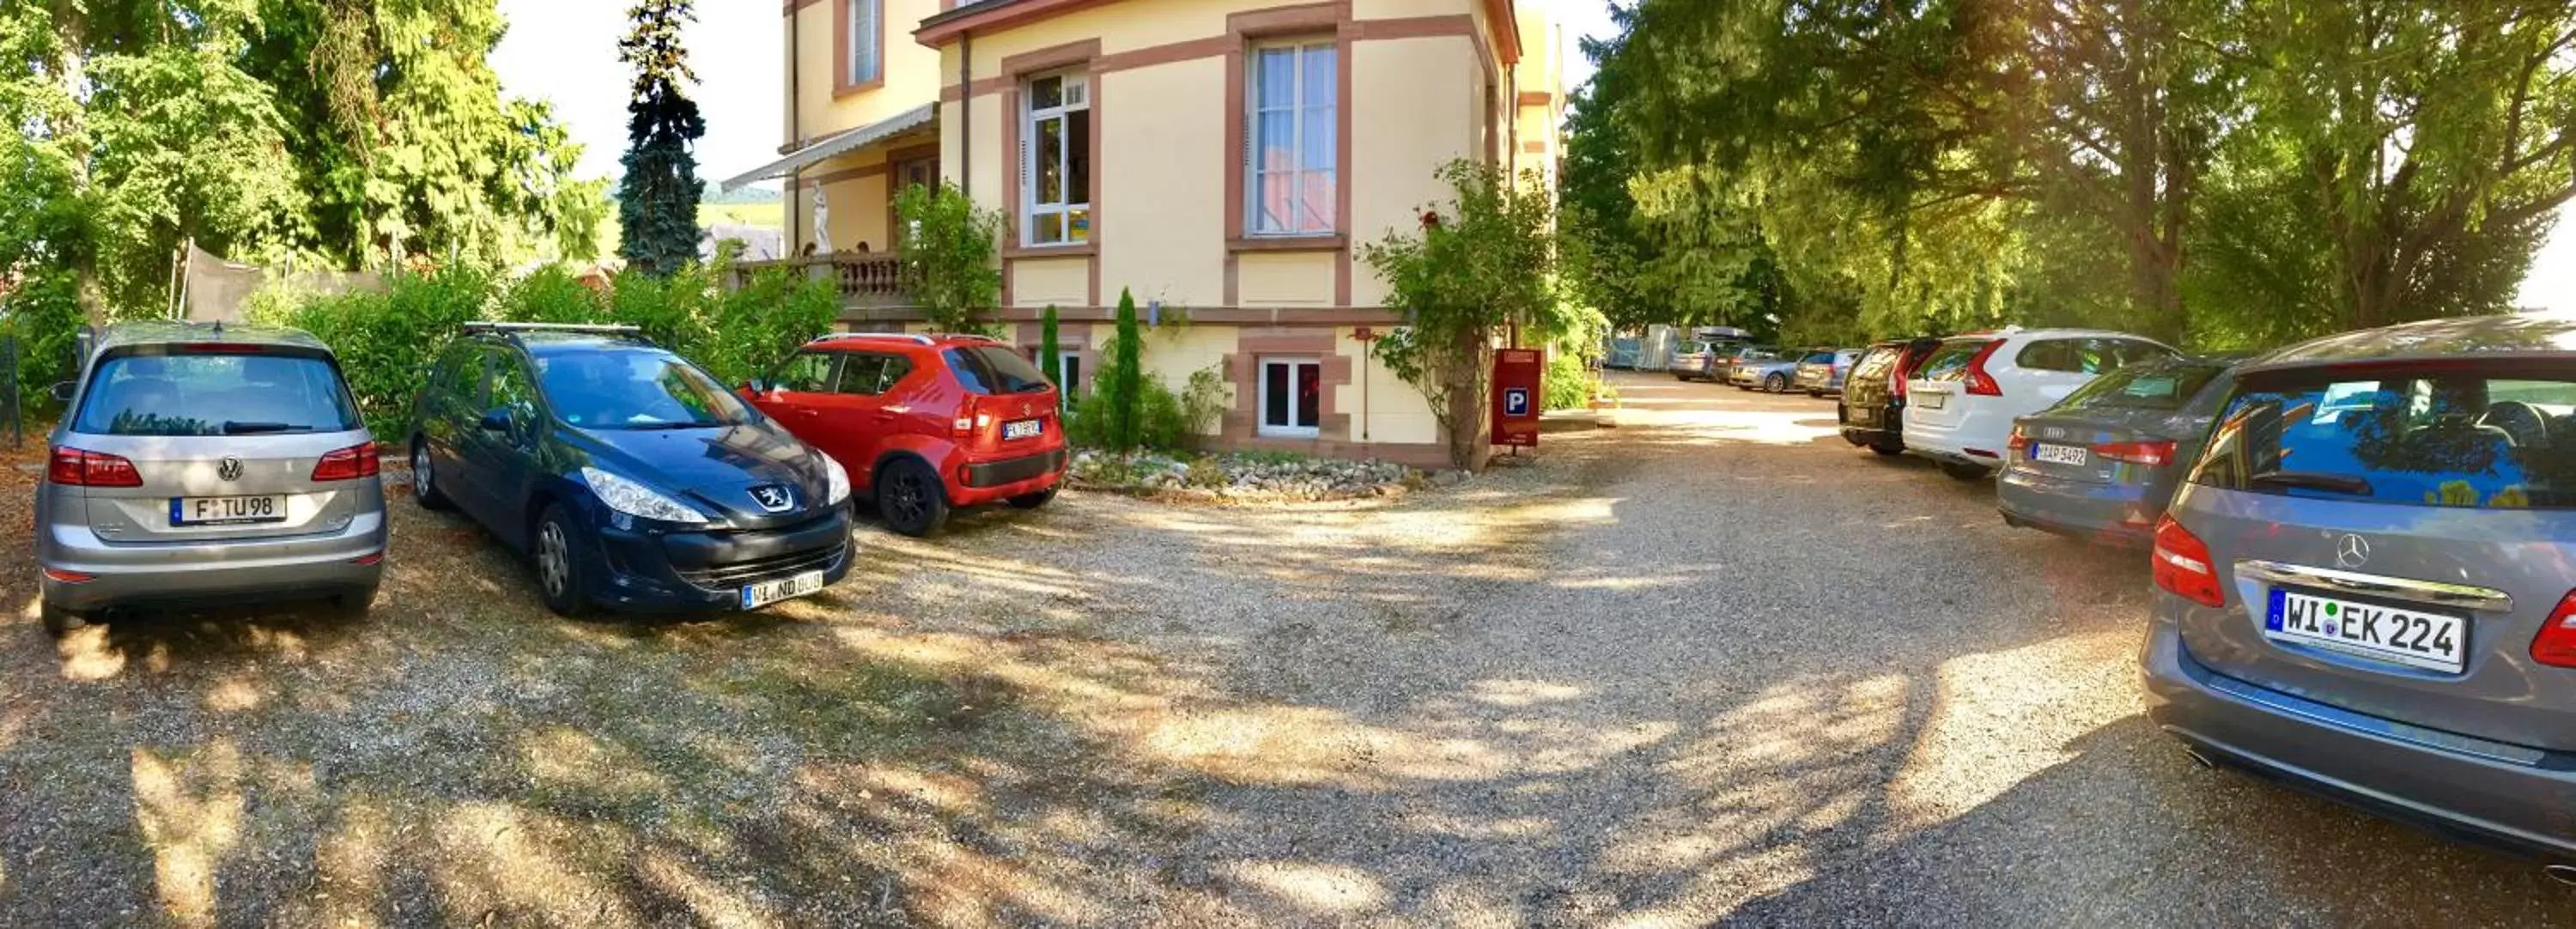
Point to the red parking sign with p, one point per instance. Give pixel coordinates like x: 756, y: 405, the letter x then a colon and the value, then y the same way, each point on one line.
x: 1516, y: 395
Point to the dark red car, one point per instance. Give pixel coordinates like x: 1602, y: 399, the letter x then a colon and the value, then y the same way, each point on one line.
x: 925, y: 424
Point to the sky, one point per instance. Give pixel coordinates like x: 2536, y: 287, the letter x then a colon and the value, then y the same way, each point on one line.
x: 565, y: 51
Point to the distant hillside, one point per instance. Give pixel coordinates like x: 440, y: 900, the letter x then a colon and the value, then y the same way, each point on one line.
x: 751, y: 194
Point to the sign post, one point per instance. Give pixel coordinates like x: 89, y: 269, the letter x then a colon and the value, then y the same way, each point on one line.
x: 1516, y: 396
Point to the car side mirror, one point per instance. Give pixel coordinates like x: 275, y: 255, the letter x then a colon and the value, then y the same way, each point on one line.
x: 62, y: 391
x: 498, y: 420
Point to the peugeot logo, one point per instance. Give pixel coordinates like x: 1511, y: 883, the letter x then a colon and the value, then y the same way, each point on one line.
x: 2352, y: 551
x: 773, y: 497
x: 229, y: 469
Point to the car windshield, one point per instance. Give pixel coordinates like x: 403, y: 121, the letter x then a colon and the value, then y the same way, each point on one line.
x: 215, y: 394
x: 2145, y: 387
x: 1950, y: 361
x: 2456, y: 438
x: 635, y: 389
x: 1819, y: 358
x: 1692, y: 348
x: 992, y: 369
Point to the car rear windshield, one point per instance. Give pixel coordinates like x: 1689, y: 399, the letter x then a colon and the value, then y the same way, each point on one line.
x: 635, y: 389
x: 215, y: 394
x: 1874, y: 363
x: 1950, y: 361
x: 2463, y: 437
x: 1819, y: 358
x: 992, y: 369
x: 1692, y: 348
x: 2152, y: 387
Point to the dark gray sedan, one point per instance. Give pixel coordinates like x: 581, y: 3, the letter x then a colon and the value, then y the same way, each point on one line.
x: 2363, y: 589
x: 2103, y: 462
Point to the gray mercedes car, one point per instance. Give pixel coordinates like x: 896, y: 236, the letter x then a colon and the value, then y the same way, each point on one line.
x: 2364, y: 586
x: 203, y: 463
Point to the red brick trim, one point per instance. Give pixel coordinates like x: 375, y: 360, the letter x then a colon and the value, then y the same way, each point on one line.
x: 1287, y: 243
x: 1537, y: 98
x: 1243, y: 368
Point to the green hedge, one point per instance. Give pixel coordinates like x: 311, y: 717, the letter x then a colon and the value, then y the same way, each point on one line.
x: 387, y: 340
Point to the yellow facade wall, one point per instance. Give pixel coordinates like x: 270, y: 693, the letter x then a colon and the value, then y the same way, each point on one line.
x: 1285, y: 278
x: 1394, y: 411
x: 1161, y: 183
x: 1058, y: 281
x: 1399, y: 139
x: 1175, y: 352
x: 911, y: 71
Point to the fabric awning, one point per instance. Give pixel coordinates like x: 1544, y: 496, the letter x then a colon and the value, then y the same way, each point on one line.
x: 837, y: 143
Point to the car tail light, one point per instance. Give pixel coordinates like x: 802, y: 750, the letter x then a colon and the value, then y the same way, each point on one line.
x: 377, y: 558
x: 72, y: 467
x: 2020, y: 440
x: 2183, y: 568
x: 2139, y: 453
x: 1979, y: 382
x: 2556, y: 644
x: 347, y: 464
x: 965, y: 424
x: 69, y: 577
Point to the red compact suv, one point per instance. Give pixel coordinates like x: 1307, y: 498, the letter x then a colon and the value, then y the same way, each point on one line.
x: 923, y: 423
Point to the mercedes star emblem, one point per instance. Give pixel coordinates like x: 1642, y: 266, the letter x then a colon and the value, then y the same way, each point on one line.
x: 2352, y: 551
x: 229, y: 469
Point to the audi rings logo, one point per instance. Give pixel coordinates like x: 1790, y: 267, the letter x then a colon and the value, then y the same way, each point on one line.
x: 2352, y: 551
x: 229, y: 469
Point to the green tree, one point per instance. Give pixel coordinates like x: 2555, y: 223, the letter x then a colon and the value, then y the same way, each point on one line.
x: 657, y: 199
x: 1050, y: 354
x: 1480, y: 266
x: 950, y: 256
x: 1122, y: 381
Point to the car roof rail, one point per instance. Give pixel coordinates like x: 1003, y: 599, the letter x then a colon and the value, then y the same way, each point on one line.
x: 913, y: 336
x: 592, y: 328
x: 975, y: 336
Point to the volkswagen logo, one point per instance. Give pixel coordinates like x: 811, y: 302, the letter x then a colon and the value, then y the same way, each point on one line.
x: 2352, y: 551
x: 229, y: 469
x: 773, y: 497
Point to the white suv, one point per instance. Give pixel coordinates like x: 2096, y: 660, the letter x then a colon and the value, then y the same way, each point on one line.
x: 1965, y: 396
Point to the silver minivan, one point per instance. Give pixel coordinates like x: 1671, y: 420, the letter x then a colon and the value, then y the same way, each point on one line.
x: 2365, y: 582
x: 201, y: 463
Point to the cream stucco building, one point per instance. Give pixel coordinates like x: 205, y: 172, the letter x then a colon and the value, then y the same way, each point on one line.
x: 1222, y: 158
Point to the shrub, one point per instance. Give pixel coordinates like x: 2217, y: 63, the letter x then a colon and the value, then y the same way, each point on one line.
x: 1568, y: 383
x: 1122, y: 381
x: 950, y: 257
x: 44, y: 316
x: 386, y: 340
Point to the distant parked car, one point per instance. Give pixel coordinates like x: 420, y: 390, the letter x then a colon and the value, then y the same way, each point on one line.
x: 1722, y: 369
x: 2103, y: 462
x: 628, y: 474
x: 207, y: 463
x: 1691, y: 360
x: 924, y: 424
x: 1966, y: 396
x: 1773, y: 374
x: 1823, y: 372
x: 2363, y: 589
x: 1872, y: 411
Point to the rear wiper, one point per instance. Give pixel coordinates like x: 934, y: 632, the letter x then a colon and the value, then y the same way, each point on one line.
x: 2312, y: 480
x: 235, y: 427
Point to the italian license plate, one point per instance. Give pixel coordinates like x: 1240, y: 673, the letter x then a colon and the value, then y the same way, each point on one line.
x: 2075, y: 455
x: 1020, y: 429
x: 762, y: 594
x: 1934, y: 401
x: 227, y: 511
x: 2414, y: 638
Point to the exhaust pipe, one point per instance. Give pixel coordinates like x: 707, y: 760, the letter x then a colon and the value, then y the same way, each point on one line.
x: 2562, y: 873
x: 2203, y: 761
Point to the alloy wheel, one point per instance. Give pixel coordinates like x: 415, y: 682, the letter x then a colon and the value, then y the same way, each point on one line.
x: 904, y: 498
x: 420, y: 472
x: 554, y: 559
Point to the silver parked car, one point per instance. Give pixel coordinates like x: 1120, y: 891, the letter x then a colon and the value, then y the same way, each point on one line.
x: 2103, y: 462
x: 1823, y: 371
x: 2364, y: 586
x: 202, y: 463
x: 1692, y: 360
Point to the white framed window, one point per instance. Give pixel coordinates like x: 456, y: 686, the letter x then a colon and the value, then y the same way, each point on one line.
x: 866, y: 41
x: 1055, y: 162
x: 1292, y: 394
x: 1070, y: 364
x: 1291, y: 148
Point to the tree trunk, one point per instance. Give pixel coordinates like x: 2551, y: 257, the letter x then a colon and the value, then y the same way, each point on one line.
x: 73, y: 70
x: 1470, y: 378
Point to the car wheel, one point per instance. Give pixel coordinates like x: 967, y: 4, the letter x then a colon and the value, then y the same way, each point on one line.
x: 424, y: 486
x: 61, y: 620
x: 1888, y: 449
x: 1965, y: 471
x: 1776, y: 384
x: 560, y: 551
x: 353, y: 604
x: 911, y: 499
x: 1035, y: 500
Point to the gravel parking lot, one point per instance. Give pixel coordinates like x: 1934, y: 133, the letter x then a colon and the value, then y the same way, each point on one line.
x: 1710, y: 666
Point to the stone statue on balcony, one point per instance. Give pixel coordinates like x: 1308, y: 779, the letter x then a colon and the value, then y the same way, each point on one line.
x: 822, y: 223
